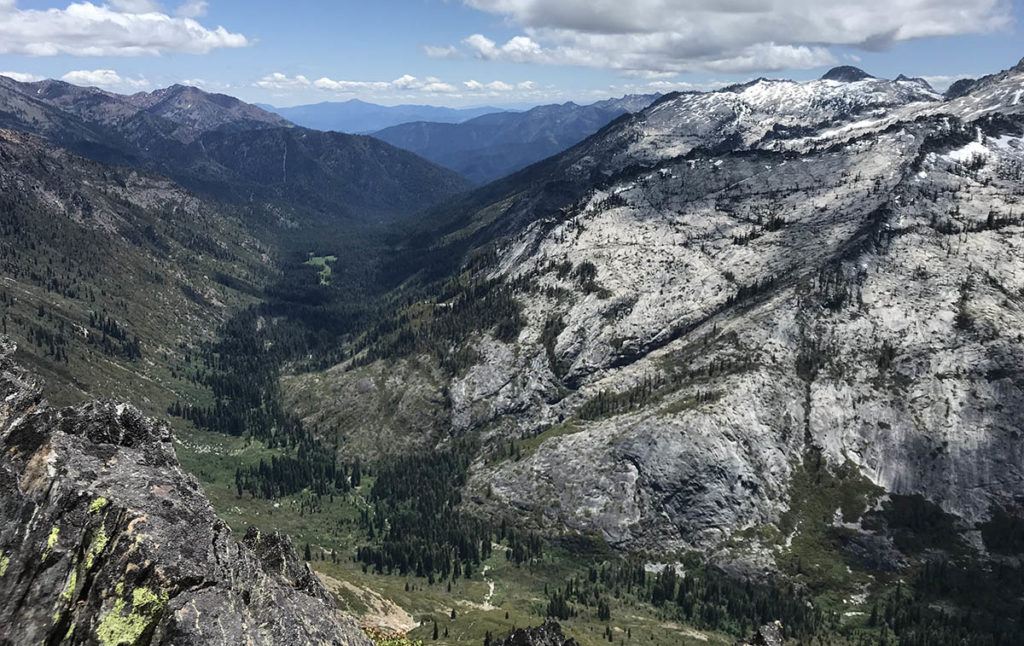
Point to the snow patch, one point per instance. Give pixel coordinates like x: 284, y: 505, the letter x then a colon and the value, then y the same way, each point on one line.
x: 970, y: 151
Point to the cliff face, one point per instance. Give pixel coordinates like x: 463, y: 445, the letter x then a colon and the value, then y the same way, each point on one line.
x: 105, y: 540
x: 860, y: 298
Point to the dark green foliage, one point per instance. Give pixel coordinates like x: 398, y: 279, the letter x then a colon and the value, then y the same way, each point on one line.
x: 312, y: 467
x: 964, y: 320
x: 549, y: 336
x: 113, y: 340
x: 1004, y: 532
x: 703, y: 596
x: 443, y: 324
x: 947, y: 603
x: 607, y: 404
x: 651, y: 389
x: 747, y: 292
x: 416, y: 527
x: 558, y: 605
x: 299, y: 318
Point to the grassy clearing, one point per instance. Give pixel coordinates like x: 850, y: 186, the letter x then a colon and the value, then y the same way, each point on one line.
x: 323, y: 263
x: 518, y: 600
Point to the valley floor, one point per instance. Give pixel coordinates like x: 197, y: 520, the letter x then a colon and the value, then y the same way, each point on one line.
x: 408, y: 604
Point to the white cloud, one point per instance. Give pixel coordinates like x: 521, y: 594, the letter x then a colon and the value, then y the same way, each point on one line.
x: 672, y: 36
x: 403, y: 86
x: 22, y: 77
x: 136, y: 6
x: 439, y: 87
x: 349, y: 86
x: 107, y: 79
x: 495, y: 86
x: 665, y: 87
x: 520, y: 49
x: 192, y: 9
x: 406, y: 83
x: 279, y: 81
x: 434, y: 51
x: 122, y: 28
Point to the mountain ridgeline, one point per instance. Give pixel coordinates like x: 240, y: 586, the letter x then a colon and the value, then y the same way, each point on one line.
x: 229, y: 150
x: 495, y: 145
x: 359, y: 117
x: 736, y: 362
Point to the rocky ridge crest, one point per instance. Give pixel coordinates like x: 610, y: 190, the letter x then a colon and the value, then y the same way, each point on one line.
x: 105, y: 540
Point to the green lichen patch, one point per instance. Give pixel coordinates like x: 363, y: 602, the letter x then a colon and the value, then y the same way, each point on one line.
x: 5, y: 562
x: 69, y: 589
x: 51, y: 541
x: 123, y: 626
x: 98, y: 505
x: 96, y: 547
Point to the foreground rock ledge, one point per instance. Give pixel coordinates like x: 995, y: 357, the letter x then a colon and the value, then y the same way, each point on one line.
x: 105, y: 540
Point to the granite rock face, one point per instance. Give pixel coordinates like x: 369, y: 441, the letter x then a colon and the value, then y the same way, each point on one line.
x: 860, y: 299
x: 700, y: 321
x: 105, y: 540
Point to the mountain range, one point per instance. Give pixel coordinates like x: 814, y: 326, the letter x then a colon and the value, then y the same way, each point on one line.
x: 227, y: 149
x: 732, y: 358
x: 359, y: 117
x: 494, y: 145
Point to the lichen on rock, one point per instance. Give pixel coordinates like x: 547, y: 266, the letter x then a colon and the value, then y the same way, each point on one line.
x: 120, y: 628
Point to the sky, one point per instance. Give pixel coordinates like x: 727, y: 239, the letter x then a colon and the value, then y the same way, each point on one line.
x: 495, y: 52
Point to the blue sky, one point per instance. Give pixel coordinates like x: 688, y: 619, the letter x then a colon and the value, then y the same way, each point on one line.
x: 498, y: 52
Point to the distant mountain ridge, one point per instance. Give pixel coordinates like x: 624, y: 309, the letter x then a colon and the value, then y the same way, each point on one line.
x: 495, y: 145
x: 361, y: 117
x: 192, y: 110
x: 224, y: 147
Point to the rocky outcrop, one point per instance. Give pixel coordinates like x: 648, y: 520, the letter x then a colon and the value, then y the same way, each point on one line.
x: 547, y: 634
x: 766, y: 635
x: 105, y: 540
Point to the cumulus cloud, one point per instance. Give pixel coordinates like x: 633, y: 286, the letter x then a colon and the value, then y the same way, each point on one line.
x: 121, y: 28
x: 136, y: 6
x: 279, y: 81
x: 107, y: 79
x: 672, y: 36
x: 22, y: 77
x: 495, y: 87
x: 192, y: 9
x: 406, y: 84
x: 449, y: 51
